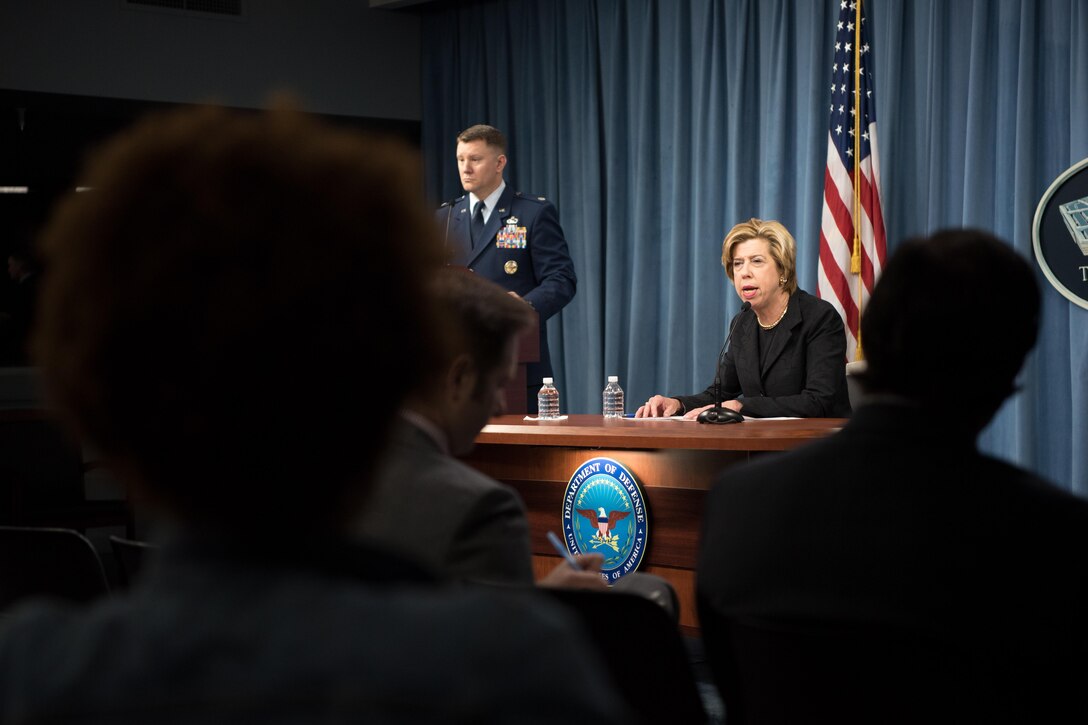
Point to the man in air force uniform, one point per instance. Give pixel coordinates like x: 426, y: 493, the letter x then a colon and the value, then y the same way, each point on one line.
x: 510, y: 238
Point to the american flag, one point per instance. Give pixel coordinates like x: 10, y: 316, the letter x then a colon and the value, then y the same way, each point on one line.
x: 852, y: 242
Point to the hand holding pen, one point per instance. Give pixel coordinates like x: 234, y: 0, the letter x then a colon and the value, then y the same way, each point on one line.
x: 579, y: 572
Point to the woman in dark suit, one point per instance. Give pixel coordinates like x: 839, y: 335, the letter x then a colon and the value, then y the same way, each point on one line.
x: 787, y: 357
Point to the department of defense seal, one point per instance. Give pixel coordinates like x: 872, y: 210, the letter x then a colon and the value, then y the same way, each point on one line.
x: 1060, y: 234
x: 604, y: 512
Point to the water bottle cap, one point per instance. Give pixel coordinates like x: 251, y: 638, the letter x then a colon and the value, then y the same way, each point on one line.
x: 548, y: 381
x: 613, y: 378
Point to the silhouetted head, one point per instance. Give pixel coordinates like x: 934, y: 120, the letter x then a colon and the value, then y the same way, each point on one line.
x: 233, y: 312
x: 950, y: 323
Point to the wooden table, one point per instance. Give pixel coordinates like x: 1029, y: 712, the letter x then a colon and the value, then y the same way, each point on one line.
x: 675, y: 462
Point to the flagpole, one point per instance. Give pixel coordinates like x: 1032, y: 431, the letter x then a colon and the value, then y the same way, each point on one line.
x: 851, y: 189
x: 855, y: 258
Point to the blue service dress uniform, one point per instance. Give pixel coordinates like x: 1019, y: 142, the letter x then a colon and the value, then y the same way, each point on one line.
x: 523, y: 250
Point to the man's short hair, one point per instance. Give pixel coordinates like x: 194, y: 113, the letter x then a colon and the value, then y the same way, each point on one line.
x: 232, y: 311
x: 481, y: 132
x: 950, y: 322
x: 481, y: 315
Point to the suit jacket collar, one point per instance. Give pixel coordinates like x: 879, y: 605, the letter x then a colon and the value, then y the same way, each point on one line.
x: 462, y: 220
x: 419, y: 427
x: 791, y: 320
x: 747, y: 347
x: 492, y: 203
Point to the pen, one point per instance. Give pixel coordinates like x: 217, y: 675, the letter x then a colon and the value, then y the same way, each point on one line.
x: 563, y: 550
x: 629, y: 415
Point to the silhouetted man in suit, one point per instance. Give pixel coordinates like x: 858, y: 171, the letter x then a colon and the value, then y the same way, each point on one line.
x: 441, y: 512
x: 427, y: 504
x: 209, y: 238
x: 898, y: 519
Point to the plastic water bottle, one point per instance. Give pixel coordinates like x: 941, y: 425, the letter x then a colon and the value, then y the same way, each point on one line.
x: 612, y: 398
x: 547, y: 401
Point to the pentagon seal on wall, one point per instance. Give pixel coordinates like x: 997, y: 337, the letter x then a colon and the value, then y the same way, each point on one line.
x: 1060, y: 234
x: 604, y: 512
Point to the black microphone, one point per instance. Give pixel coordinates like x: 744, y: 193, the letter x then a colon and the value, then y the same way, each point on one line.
x: 451, y: 203
x: 718, y: 414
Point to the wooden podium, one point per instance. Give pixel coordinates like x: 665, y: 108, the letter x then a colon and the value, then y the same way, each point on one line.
x: 675, y: 462
x: 518, y: 391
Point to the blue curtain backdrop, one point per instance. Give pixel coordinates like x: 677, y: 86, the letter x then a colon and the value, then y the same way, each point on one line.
x: 655, y: 125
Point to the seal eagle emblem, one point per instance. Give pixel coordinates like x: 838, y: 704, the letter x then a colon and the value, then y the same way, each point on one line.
x: 605, y: 524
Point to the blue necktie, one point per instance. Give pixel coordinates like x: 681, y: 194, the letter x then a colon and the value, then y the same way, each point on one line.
x: 478, y: 225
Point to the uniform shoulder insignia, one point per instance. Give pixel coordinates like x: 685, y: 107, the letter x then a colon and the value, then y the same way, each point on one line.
x: 529, y: 197
x: 449, y: 203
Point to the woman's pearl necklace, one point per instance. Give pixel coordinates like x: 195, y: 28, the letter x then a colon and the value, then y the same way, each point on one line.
x: 775, y: 323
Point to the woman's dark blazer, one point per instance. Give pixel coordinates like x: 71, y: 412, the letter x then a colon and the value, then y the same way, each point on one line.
x: 804, y: 372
